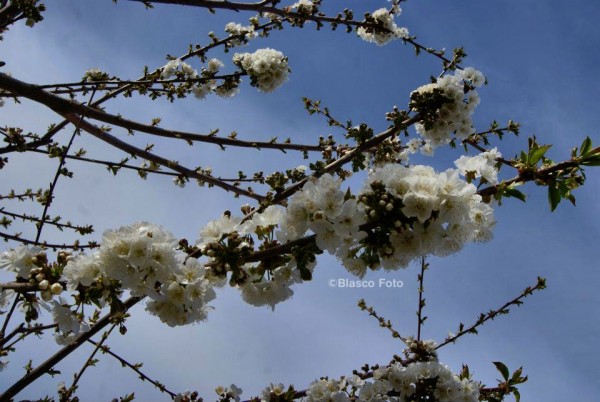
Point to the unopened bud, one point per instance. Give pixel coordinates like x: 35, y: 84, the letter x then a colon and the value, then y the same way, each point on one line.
x: 56, y: 288
x: 43, y: 285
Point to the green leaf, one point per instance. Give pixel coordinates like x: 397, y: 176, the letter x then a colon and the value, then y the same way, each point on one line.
x: 593, y: 160
x: 553, y: 196
x: 516, y: 376
x: 586, y: 145
x: 523, y: 157
x: 502, y: 369
x: 517, y: 395
x: 536, y: 154
x: 511, y: 192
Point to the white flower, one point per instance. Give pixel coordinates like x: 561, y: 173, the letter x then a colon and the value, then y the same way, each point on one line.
x: 170, y: 68
x: 268, y: 68
x: 201, y: 91
x: 327, y: 237
x: 272, y: 389
x: 66, y: 320
x: 273, y: 215
x: 454, y: 116
x: 267, y: 293
x: 227, y: 91
x: 476, y: 78
x: 214, y: 65
x: 483, y: 165
x: 19, y: 260
x: 214, y: 230
x: 237, y: 29
x: 232, y: 391
x: 93, y: 74
x: 389, y: 29
x: 82, y: 269
x: 419, y: 206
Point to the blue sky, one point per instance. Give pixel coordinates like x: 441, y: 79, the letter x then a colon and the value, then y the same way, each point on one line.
x: 541, y: 62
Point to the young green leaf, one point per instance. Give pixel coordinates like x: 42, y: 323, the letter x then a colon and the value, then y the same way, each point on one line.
x: 536, y: 154
x: 553, y: 196
x: 586, y: 145
x: 502, y: 369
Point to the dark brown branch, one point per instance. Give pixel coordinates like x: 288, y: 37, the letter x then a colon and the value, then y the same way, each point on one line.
x: 483, y: 318
x: 63, y: 107
x: 349, y: 156
x: 134, y: 367
x: 24, y: 332
x: 420, y: 318
x: 38, y: 220
x: 262, y: 7
x: 120, y: 165
x: 74, y: 246
x: 43, y: 368
x: 525, y: 177
x: 47, y: 138
x: 104, y: 136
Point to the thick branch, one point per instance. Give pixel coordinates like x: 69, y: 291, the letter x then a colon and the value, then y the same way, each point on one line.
x: 348, y: 157
x: 117, y: 143
x: 63, y: 106
x: 43, y: 368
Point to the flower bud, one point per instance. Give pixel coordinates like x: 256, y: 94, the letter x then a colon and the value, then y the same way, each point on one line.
x: 43, y: 285
x: 56, y: 288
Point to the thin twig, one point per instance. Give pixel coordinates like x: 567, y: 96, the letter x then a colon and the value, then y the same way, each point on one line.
x: 74, y: 246
x: 483, y: 318
x: 88, y: 363
x: 421, y: 319
x: 58, y: 174
x: 134, y: 367
x: 43, y: 368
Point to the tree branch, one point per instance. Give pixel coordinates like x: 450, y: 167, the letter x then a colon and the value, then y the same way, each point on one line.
x: 43, y: 368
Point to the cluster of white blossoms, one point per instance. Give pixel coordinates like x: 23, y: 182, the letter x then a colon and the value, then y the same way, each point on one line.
x: 321, y: 207
x: 422, y: 212
x: 257, y: 287
x: 183, y: 70
x: 387, y: 30
x: 176, y: 65
x: 482, y: 165
x: 245, y: 33
x: 398, y: 383
x: 303, y: 6
x: 25, y: 262
x: 454, y: 116
x: 144, y: 259
x: 401, y: 214
x: 267, y: 68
